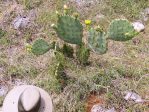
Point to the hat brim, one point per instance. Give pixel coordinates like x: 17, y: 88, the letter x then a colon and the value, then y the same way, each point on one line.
x: 11, y: 101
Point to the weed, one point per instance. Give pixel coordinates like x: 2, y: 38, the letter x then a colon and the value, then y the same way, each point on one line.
x: 132, y: 11
x: 29, y: 4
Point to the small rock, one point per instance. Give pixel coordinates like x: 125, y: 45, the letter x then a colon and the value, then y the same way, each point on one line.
x: 133, y: 96
x: 111, y: 110
x: 20, y: 22
x: 29, y: 99
x: 99, y: 108
x: 144, y: 15
x: 146, y: 11
x: 3, y: 90
x: 138, y: 26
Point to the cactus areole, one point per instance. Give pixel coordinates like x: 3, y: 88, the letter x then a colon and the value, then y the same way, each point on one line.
x: 69, y: 29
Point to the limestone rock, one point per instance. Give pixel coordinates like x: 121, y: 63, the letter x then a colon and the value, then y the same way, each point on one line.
x: 138, y: 26
x: 100, y: 108
x: 133, y: 96
x: 20, y: 22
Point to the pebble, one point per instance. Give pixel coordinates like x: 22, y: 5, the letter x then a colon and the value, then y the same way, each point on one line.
x: 133, y: 96
x: 20, y: 22
x: 146, y: 11
x: 138, y: 26
x: 100, y: 108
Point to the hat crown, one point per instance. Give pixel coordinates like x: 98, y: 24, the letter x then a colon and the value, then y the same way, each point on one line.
x: 29, y: 100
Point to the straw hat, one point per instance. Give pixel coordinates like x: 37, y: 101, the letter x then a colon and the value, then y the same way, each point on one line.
x: 27, y: 98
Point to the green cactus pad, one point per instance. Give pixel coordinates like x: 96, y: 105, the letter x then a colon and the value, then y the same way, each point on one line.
x: 40, y: 47
x: 69, y: 29
x: 97, y: 41
x: 121, y: 30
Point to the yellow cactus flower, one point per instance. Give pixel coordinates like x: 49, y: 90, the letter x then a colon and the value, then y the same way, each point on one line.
x: 88, y: 22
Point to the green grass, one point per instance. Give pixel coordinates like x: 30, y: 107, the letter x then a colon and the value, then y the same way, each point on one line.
x: 129, y: 8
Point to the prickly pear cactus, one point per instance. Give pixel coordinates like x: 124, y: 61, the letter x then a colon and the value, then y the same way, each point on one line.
x: 69, y: 29
x: 121, y: 30
x: 40, y: 47
x: 97, y: 41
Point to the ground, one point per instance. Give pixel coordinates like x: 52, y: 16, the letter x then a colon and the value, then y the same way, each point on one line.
x: 125, y: 67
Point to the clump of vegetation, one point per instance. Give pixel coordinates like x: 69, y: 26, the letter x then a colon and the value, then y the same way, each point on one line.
x: 133, y: 7
x: 30, y: 4
x: 83, y: 54
x: 2, y: 33
x: 67, y: 50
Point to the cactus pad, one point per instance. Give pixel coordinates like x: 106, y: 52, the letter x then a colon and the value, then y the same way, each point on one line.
x: 40, y: 47
x: 121, y: 30
x: 69, y: 29
x: 97, y: 41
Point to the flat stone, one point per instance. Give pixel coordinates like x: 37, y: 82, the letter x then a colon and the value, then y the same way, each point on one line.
x: 138, y: 26
x: 100, y: 108
x: 29, y: 99
x: 133, y: 96
x: 20, y: 22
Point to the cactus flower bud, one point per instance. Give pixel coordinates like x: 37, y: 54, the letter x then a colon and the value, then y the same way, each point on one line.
x: 66, y: 7
x: 98, y: 28
x: 28, y: 47
x: 76, y: 15
x: 53, y: 26
x: 57, y: 12
x: 127, y: 34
